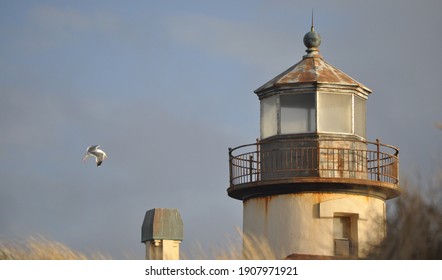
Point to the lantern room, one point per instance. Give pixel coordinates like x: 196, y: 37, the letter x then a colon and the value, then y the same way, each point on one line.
x: 313, y: 136
x: 313, y: 97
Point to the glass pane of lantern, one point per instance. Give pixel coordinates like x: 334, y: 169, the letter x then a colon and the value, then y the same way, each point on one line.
x: 297, y: 113
x: 268, y: 117
x: 360, y: 113
x: 334, y: 113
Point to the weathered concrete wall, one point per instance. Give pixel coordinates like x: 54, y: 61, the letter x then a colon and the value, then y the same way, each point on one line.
x: 163, y: 250
x: 303, y: 223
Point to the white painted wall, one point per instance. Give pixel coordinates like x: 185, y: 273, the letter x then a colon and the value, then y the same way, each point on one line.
x: 303, y: 223
x: 163, y: 249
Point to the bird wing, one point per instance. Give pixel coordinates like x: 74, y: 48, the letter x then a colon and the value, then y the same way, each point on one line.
x: 99, y: 154
x: 92, y: 148
x: 86, y: 156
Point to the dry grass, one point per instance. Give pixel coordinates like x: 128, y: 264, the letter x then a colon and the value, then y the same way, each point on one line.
x: 415, y: 229
x: 253, y: 248
x: 41, y: 248
x: 238, y: 247
x: 414, y: 232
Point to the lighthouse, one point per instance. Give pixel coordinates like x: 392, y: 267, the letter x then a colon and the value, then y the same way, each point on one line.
x: 312, y: 184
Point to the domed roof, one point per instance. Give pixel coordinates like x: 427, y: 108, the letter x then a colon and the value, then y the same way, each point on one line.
x: 311, y: 69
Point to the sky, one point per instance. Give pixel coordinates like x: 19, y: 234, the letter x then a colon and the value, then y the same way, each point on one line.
x: 165, y: 87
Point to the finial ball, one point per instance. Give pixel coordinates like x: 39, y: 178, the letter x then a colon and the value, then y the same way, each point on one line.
x: 312, y: 39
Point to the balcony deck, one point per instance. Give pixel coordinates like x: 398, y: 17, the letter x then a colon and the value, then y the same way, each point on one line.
x: 295, y: 165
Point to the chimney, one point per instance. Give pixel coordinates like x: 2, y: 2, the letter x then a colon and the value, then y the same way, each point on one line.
x: 162, y: 233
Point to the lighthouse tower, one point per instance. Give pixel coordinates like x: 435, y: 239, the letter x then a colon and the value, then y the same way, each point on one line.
x: 312, y: 184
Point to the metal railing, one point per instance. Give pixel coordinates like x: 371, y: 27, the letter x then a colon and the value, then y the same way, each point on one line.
x: 322, y: 158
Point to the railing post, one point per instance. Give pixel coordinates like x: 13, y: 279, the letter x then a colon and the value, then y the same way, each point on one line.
x: 230, y: 167
x: 378, y: 159
x: 258, y: 161
x: 251, y: 168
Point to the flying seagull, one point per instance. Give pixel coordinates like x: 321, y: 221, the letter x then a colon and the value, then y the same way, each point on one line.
x: 95, y: 151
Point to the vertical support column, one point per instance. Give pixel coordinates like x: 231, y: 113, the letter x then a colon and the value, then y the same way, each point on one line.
x: 378, y: 156
x: 230, y: 167
x: 258, y: 160
x: 162, y: 233
x: 250, y: 168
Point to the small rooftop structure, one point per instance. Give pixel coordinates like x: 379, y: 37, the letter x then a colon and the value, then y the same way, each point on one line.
x: 162, y: 232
